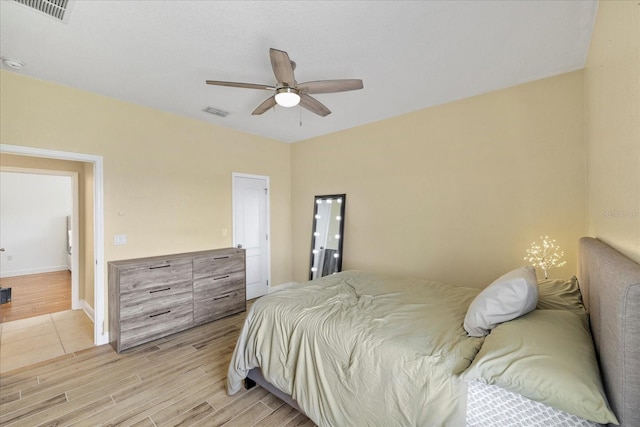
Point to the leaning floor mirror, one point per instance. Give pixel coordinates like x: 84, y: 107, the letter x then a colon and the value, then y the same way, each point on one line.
x: 327, y: 232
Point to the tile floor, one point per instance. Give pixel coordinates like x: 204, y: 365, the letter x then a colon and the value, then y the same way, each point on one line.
x: 27, y: 341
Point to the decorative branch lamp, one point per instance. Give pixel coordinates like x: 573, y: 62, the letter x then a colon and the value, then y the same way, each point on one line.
x: 545, y: 255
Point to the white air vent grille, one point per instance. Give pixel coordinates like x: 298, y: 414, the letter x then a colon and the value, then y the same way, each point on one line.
x: 57, y: 9
x: 215, y: 112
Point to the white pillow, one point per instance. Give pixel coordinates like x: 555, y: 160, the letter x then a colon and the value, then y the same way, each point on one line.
x: 507, y: 298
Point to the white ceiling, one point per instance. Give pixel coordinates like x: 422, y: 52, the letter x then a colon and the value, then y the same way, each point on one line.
x: 410, y: 54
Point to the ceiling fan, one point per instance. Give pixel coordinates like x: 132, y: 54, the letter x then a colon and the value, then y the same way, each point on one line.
x: 288, y: 93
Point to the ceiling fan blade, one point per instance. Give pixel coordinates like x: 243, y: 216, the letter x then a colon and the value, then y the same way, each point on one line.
x: 282, y: 67
x: 266, y: 105
x: 242, y: 85
x: 330, y: 86
x: 314, y: 105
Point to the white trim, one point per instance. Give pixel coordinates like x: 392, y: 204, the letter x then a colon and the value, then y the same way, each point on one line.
x: 99, y: 335
x: 75, y: 244
x: 280, y: 287
x: 233, y: 216
x: 84, y: 306
x: 49, y: 269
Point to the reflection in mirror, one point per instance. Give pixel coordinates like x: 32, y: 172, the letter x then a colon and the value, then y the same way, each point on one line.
x: 326, y: 238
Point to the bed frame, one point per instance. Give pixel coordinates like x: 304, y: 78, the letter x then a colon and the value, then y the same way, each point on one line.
x: 610, y: 286
x: 255, y: 377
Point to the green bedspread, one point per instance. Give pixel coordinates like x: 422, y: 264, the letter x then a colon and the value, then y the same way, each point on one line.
x: 360, y: 349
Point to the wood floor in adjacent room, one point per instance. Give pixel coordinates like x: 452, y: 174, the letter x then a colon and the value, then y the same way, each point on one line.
x: 178, y: 380
x: 36, y: 294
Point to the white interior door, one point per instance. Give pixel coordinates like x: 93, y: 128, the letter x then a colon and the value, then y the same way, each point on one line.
x: 251, y: 229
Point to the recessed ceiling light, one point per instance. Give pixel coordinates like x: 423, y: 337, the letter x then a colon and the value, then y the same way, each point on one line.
x: 13, y: 63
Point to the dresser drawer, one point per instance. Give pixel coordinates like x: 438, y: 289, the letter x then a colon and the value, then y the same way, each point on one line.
x: 219, y: 306
x: 211, y: 287
x: 152, y: 274
x: 153, y: 325
x: 218, y: 265
x: 148, y: 317
x: 154, y: 297
x: 150, y: 310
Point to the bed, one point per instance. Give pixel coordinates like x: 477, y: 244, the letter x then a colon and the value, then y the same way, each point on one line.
x: 357, y: 348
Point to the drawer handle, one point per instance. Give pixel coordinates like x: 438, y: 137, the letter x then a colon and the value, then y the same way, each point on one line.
x: 223, y: 297
x: 160, y: 314
x: 159, y: 290
x: 221, y: 257
x: 160, y: 266
x: 220, y: 278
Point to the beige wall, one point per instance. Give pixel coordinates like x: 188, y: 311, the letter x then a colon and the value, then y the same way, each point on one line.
x: 167, y: 179
x: 612, y: 88
x: 85, y: 211
x: 455, y: 192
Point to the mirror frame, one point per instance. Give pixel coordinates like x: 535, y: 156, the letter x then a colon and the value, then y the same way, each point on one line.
x: 341, y: 228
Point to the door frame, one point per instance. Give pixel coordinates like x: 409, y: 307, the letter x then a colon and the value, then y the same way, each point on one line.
x: 99, y: 335
x: 235, y: 175
x: 75, y: 242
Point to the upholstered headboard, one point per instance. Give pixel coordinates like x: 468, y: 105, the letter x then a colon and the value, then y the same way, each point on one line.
x: 610, y: 285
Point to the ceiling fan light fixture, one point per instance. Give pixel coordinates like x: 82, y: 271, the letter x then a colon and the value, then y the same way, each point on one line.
x: 287, y: 97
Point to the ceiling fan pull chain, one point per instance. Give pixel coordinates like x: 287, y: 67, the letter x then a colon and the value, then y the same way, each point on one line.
x: 300, y: 116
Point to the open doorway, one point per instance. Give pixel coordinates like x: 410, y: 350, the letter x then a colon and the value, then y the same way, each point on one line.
x: 91, y: 257
x: 39, y: 267
x: 39, y: 240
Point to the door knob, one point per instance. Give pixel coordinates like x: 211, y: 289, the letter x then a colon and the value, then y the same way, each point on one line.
x: 1, y: 249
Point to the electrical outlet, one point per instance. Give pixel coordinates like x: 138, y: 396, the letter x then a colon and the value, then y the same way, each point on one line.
x: 120, y: 239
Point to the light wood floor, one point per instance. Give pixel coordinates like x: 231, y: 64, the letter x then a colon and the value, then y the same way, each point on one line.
x: 178, y: 380
x: 36, y: 294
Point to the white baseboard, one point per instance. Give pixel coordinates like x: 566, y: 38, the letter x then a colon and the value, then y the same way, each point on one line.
x: 28, y: 271
x: 280, y: 287
x: 101, y: 338
x: 84, y: 306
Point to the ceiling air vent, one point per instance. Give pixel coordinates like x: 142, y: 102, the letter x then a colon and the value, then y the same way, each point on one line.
x: 57, y: 9
x: 216, y: 112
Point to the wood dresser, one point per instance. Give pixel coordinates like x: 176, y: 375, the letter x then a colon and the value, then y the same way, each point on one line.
x: 153, y: 297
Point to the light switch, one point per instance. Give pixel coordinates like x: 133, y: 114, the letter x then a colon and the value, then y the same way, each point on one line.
x: 120, y: 239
